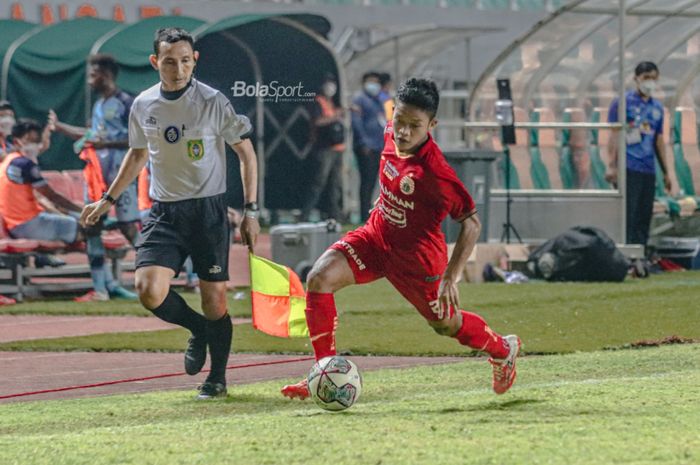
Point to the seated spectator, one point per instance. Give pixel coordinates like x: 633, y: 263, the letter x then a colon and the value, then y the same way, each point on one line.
x: 20, y: 176
x: 7, y: 120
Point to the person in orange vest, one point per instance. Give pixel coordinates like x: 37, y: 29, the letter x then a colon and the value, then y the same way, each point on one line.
x: 328, y: 142
x: 103, y: 147
x: 387, y: 95
x: 20, y: 179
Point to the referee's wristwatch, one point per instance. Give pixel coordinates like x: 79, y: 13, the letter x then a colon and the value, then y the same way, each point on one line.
x: 109, y: 198
x: 251, y: 210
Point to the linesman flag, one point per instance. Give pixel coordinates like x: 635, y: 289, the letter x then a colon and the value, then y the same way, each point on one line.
x: 279, y: 301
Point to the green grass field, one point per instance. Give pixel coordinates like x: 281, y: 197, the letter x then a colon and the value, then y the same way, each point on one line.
x: 578, y: 405
x: 374, y: 319
x: 630, y: 406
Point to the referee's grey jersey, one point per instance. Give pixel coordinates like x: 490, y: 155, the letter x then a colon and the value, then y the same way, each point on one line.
x: 185, y: 140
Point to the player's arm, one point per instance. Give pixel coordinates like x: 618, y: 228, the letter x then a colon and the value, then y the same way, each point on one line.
x: 111, y: 144
x: 46, y: 204
x: 250, y: 228
x: 468, y: 235
x: 134, y: 161
x: 57, y: 199
x: 661, y: 156
x: 74, y: 132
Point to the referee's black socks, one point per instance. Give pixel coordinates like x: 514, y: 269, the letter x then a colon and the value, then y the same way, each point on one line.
x: 175, y: 310
x: 219, y: 335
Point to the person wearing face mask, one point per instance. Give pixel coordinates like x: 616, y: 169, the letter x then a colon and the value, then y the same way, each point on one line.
x: 326, y: 157
x: 7, y: 120
x: 644, y: 124
x: 368, y: 121
x: 20, y: 180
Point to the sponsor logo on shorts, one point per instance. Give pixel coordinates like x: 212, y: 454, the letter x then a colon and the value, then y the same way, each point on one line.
x: 215, y: 269
x: 432, y: 279
x: 195, y: 149
x: 407, y: 185
x: 390, y: 170
x: 171, y: 134
x: 353, y: 254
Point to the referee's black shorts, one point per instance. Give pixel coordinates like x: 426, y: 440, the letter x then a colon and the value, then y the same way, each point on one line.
x: 198, y: 228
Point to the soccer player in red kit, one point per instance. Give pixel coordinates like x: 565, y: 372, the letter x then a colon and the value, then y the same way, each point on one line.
x: 402, y: 241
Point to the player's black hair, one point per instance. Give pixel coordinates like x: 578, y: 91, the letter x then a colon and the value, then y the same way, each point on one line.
x: 384, y: 78
x: 105, y: 62
x: 369, y: 75
x: 6, y: 105
x: 171, y: 35
x: 329, y: 77
x: 24, y: 126
x: 645, y: 67
x: 421, y: 93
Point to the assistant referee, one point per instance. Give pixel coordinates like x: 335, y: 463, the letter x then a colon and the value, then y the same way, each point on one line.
x: 181, y: 126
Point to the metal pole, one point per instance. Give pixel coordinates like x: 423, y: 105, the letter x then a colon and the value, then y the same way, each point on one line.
x: 622, y: 119
x: 397, y: 63
x: 468, y: 63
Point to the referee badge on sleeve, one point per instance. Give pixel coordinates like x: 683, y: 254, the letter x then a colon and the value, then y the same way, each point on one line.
x: 195, y: 149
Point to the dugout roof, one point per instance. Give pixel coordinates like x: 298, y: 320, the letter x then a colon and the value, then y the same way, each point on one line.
x: 44, y: 69
x: 571, y: 59
x: 409, y: 52
x: 11, y: 31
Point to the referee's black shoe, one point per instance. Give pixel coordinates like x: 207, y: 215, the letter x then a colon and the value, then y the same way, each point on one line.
x: 196, y: 354
x: 210, y: 390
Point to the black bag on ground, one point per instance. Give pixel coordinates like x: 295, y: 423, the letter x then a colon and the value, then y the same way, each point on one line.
x: 582, y: 253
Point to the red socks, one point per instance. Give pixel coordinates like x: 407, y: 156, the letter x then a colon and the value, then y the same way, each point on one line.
x: 476, y: 334
x: 322, y: 319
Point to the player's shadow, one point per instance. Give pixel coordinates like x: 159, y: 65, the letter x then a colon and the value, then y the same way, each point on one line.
x: 490, y: 406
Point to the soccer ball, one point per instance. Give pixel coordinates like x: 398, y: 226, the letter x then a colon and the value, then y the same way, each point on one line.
x: 335, y: 383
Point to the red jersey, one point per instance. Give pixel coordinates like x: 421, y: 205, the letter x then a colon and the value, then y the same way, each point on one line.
x: 416, y: 194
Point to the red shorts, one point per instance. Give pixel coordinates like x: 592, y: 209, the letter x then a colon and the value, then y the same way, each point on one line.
x: 369, y: 261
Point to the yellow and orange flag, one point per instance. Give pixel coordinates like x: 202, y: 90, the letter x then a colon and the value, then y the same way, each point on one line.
x: 278, y: 299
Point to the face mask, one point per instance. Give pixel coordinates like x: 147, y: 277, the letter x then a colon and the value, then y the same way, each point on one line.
x: 31, y: 150
x: 373, y: 88
x: 329, y: 89
x: 647, y: 87
x: 6, y: 123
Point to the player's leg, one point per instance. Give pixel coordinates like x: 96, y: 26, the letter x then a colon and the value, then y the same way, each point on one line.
x: 219, y: 334
x: 159, y: 257
x: 320, y: 165
x: 210, y: 253
x: 351, y: 260
x: 468, y: 328
x: 191, y: 278
x: 330, y: 273
x: 50, y: 226
x: 128, y: 217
